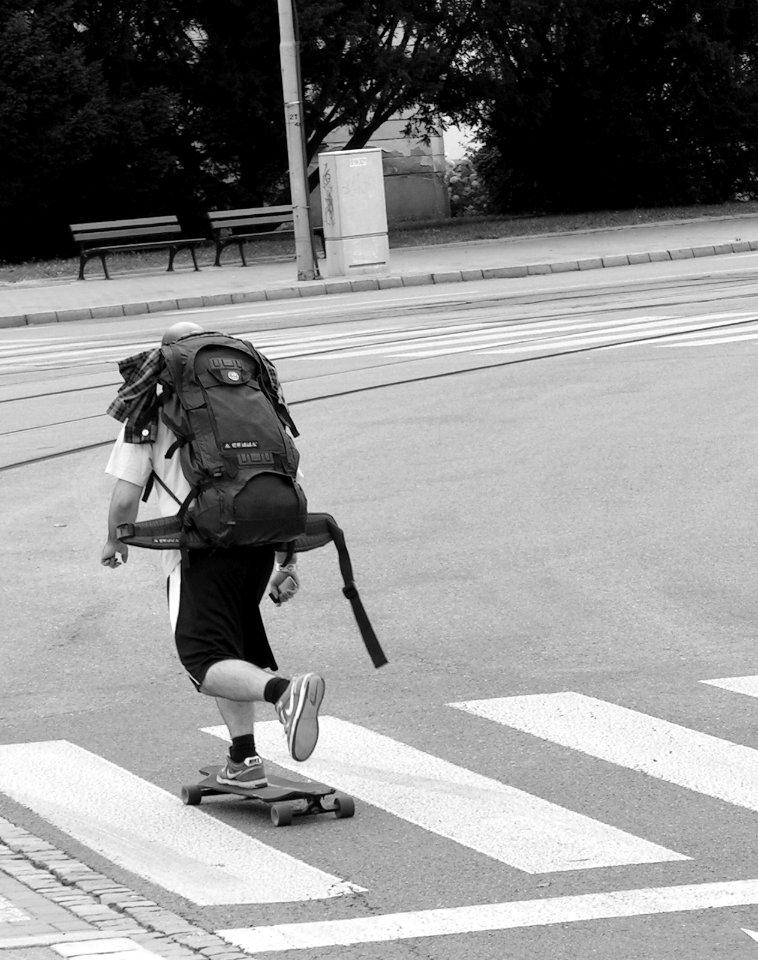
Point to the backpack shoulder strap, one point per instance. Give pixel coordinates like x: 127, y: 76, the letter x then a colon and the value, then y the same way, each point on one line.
x: 271, y: 386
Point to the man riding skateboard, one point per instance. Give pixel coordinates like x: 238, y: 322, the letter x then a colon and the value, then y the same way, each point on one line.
x: 213, y: 594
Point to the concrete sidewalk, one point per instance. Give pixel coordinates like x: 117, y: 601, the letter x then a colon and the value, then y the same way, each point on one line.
x: 128, y: 294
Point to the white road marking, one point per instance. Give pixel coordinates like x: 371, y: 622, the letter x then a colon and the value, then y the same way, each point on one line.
x: 702, y: 342
x: 522, y: 338
x: 751, y: 933
x: 418, y: 341
x: 487, y: 917
x: 107, y: 948
x: 151, y: 833
x: 700, y: 762
x: 509, y: 825
x: 745, y: 685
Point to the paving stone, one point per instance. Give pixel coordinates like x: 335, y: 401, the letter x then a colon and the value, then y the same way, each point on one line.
x: 283, y: 293
x: 564, y: 267
x: 248, y: 296
x: 314, y: 290
x: 160, y: 306
x: 338, y: 286
x: 497, y: 273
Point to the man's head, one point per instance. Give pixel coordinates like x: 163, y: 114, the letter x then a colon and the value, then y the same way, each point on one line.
x: 182, y: 329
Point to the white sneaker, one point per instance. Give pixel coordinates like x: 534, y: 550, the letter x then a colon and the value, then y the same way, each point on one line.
x: 297, y: 709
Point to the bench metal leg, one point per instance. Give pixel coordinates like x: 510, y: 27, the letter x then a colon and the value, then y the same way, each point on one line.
x: 105, y: 266
x: 241, y: 245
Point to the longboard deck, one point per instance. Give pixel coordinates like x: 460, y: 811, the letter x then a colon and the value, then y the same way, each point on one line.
x: 278, y: 789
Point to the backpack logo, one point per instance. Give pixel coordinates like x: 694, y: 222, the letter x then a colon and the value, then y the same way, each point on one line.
x: 240, y: 445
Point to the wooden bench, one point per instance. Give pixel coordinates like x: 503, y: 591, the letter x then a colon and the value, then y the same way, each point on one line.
x: 121, y: 235
x: 234, y: 227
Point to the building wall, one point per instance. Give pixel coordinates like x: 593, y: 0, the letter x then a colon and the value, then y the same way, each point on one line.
x: 414, y: 173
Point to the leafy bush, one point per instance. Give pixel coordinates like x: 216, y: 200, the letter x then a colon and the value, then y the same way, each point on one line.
x: 468, y: 193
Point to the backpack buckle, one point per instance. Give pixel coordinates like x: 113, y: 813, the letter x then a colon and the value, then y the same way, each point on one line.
x: 350, y: 592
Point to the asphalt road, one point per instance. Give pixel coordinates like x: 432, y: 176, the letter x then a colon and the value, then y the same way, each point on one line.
x: 547, y: 489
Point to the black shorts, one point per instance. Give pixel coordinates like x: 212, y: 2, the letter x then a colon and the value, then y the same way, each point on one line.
x: 219, y: 614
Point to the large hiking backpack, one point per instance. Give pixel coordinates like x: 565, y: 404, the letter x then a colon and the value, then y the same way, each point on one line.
x: 221, y: 398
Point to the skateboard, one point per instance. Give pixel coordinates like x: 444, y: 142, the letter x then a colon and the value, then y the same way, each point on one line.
x: 285, y: 798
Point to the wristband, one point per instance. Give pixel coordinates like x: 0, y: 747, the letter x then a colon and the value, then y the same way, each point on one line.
x: 287, y: 567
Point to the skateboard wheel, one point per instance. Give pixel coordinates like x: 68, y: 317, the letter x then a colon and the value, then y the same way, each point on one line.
x: 281, y: 814
x: 191, y: 796
x: 344, y: 806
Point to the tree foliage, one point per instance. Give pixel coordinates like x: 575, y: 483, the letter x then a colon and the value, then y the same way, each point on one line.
x: 639, y: 102
x: 123, y: 108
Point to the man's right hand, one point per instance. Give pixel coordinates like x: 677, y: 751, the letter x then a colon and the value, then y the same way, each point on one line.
x: 114, y: 554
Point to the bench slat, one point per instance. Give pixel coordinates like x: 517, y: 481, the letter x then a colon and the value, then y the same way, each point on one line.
x: 262, y: 221
x: 214, y: 215
x: 134, y: 222
x: 134, y: 232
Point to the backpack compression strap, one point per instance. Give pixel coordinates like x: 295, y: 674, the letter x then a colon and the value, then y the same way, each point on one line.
x: 320, y: 528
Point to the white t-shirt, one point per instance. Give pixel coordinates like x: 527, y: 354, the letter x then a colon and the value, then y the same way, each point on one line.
x: 135, y: 461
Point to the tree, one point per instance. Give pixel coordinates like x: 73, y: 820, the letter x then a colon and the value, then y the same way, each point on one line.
x: 362, y: 62
x: 90, y: 126
x: 639, y: 102
x: 366, y: 61
x: 53, y: 119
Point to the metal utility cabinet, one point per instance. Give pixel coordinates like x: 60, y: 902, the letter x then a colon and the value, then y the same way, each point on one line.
x: 354, y: 212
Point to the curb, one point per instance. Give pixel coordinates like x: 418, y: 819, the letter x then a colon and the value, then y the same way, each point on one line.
x: 109, y: 908
x: 319, y: 288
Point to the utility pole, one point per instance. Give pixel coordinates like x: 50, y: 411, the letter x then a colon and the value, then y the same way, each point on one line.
x: 289, y: 56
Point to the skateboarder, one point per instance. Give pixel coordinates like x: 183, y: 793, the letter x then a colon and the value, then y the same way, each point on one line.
x: 214, y: 596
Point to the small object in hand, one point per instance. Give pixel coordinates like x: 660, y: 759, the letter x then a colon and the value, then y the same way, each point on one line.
x: 284, y: 585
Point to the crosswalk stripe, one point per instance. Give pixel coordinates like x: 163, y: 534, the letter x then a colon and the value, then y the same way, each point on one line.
x: 439, y: 340
x: 485, y: 917
x: 418, y: 341
x: 106, y: 948
x: 745, y: 685
x: 509, y: 338
x: 151, y: 833
x: 698, y: 761
x: 697, y: 340
x: 485, y: 815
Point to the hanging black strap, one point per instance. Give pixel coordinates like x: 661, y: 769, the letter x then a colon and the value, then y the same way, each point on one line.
x: 320, y: 528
